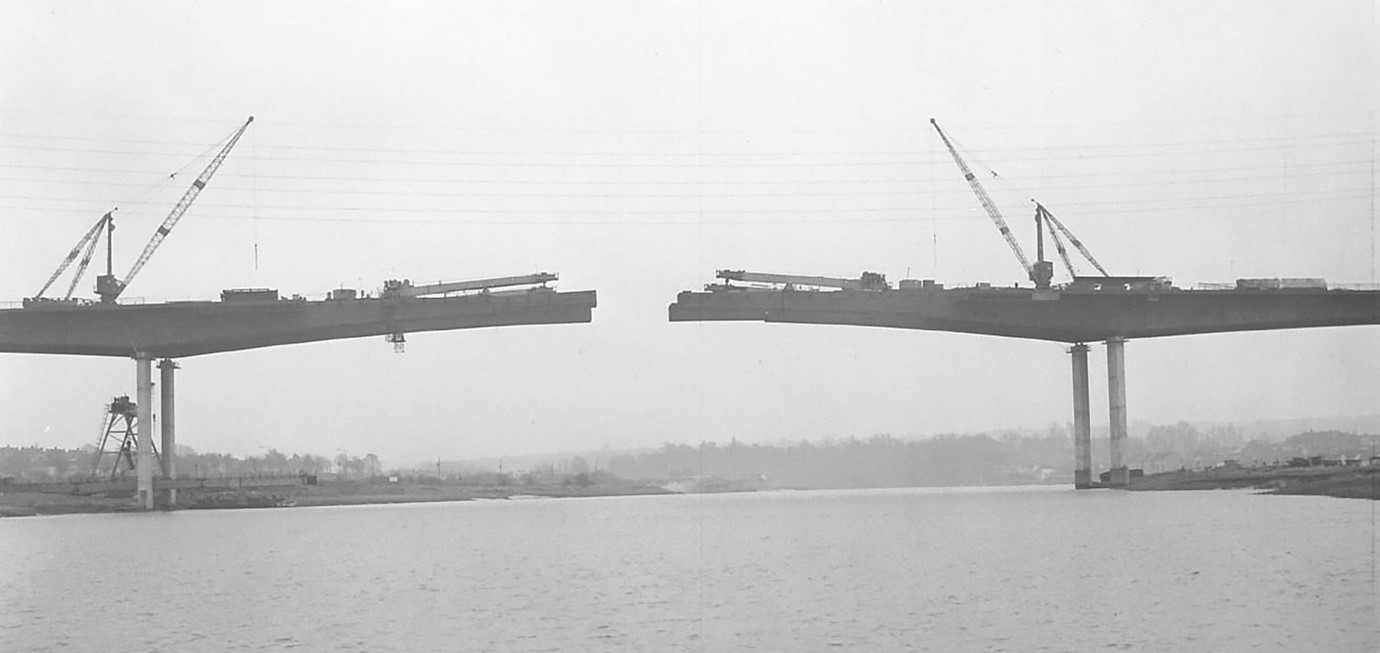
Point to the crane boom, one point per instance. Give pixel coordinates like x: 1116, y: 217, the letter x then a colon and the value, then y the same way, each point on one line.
x: 1054, y: 236
x: 88, y: 244
x: 1072, y: 238
x: 86, y: 257
x: 110, y: 288
x: 987, y: 203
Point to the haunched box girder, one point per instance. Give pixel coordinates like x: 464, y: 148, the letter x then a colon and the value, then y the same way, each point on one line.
x: 180, y: 329
x: 1065, y: 316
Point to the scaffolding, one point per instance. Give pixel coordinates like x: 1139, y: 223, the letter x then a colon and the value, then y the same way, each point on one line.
x: 119, y: 424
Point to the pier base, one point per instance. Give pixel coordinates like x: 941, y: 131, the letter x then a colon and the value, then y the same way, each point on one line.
x: 1116, y: 399
x: 1082, y: 424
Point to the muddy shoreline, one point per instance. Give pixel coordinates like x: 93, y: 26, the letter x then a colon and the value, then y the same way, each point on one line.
x: 1340, y: 482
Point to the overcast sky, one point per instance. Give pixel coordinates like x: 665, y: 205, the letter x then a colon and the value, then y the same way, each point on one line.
x: 635, y: 147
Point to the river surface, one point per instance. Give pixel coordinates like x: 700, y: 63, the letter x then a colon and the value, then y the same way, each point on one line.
x: 999, y: 569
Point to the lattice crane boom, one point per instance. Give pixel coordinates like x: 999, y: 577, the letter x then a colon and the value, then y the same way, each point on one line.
x: 1049, y: 217
x: 1041, y: 223
x: 986, y: 201
x: 108, y: 287
x: 83, y: 248
x: 109, y: 222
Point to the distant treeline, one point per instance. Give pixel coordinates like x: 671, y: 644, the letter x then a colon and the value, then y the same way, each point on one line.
x: 56, y: 464
x: 949, y: 460
x: 878, y: 461
x: 1183, y: 446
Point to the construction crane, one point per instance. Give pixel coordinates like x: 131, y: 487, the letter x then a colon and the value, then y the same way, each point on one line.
x: 1042, y: 271
x: 84, y: 248
x: 1041, y: 281
x: 107, y: 285
x: 1050, y: 222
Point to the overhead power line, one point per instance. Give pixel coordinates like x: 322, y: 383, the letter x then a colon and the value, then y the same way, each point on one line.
x: 915, y: 213
x: 1313, y: 140
x: 1176, y: 171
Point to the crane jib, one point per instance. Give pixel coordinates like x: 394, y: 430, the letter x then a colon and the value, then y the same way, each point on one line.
x: 986, y: 202
x: 112, y: 288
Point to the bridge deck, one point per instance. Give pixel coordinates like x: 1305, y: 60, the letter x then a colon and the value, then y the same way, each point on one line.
x: 1061, y: 316
x: 179, y: 329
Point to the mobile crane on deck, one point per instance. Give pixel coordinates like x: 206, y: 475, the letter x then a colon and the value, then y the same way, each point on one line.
x: 108, y: 286
x: 1042, y: 271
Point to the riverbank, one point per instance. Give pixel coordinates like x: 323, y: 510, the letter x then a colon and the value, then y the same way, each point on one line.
x: 1341, y: 482
x: 23, y: 504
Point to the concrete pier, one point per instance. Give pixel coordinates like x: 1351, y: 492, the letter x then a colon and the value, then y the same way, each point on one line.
x: 167, y: 424
x: 1082, y: 423
x: 1116, y: 400
x: 143, y: 428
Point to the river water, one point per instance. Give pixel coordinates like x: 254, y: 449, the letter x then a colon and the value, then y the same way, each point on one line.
x: 999, y: 569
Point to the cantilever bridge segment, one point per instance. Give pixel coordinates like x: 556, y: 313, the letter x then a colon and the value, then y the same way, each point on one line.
x: 1089, y: 309
x: 255, y: 318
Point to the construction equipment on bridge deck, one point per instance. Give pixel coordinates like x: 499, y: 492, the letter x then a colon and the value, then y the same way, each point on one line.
x: 1050, y: 222
x: 84, y: 248
x: 109, y: 287
x: 404, y: 288
x: 989, y: 206
x: 868, y: 280
x: 1042, y: 271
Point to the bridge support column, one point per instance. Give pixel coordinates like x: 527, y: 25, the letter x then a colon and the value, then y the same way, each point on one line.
x: 166, y: 368
x: 1082, y: 423
x: 143, y: 426
x: 1116, y: 399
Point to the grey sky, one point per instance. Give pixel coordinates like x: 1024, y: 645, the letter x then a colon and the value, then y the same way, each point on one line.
x: 634, y: 148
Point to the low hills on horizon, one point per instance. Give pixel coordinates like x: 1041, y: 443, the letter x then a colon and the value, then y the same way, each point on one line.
x: 1004, y: 457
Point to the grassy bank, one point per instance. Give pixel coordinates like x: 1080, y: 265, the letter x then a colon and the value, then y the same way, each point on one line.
x: 1343, y: 482
x: 21, y: 504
